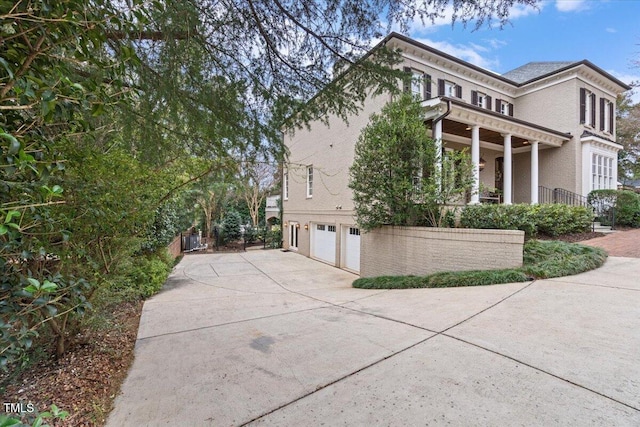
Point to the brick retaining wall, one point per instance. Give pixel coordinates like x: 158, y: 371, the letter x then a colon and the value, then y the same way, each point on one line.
x: 421, y: 251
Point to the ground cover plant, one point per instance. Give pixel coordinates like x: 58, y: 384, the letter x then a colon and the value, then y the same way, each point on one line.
x: 542, y: 260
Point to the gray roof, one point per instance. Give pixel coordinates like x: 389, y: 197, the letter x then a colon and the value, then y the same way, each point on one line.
x: 533, y: 70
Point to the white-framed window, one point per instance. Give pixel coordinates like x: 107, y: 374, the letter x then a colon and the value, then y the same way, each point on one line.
x: 606, y: 115
x: 504, y: 108
x: 417, y: 84
x: 601, y: 172
x: 587, y: 107
x: 285, y: 185
x: 482, y: 100
x: 309, y: 181
x: 449, y: 89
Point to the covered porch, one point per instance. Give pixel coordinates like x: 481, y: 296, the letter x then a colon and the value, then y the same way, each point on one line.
x: 494, y: 139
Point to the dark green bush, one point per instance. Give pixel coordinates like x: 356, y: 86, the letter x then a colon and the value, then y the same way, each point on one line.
x: 552, y: 220
x: 628, y: 208
x: 231, y: 226
x: 557, y: 219
x: 626, y: 203
x: 250, y: 234
x: 501, y: 217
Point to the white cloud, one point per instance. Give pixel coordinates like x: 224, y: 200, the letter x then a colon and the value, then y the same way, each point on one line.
x: 628, y: 79
x: 571, y: 5
x: 611, y: 30
x: 469, y: 53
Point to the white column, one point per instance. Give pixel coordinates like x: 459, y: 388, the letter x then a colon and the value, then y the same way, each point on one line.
x: 508, y: 168
x: 475, y: 164
x: 437, y: 137
x: 534, y: 173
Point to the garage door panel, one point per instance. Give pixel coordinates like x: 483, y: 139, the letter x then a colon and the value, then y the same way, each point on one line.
x: 351, y: 239
x: 324, y: 243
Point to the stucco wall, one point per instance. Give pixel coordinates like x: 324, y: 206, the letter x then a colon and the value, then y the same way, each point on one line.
x: 421, y: 250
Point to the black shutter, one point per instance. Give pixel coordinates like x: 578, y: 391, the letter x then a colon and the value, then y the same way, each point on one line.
x: 440, y: 87
x: 511, y: 110
x: 458, y: 91
x: 474, y: 97
x: 611, y: 117
x: 499, y: 105
x: 593, y: 110
x: 583, y: 105
x: 407, y: 81
x: 602, y: 107
x: 488, y: 102
x: 427, y: 86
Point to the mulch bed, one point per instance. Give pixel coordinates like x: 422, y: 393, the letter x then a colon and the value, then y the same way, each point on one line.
x: 572, y: 238
x: 87, y: 378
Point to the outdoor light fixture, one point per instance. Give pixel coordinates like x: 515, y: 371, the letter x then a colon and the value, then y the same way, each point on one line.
x: 286, y: 224
x: 297, y: 225
x: 482, y: 163
x: 306, y: 226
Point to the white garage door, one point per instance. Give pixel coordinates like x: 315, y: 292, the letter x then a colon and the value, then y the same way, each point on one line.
x: 323, y: 242
x: 351, y: 248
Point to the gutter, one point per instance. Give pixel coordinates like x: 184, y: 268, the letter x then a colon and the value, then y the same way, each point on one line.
x: 446, y: 113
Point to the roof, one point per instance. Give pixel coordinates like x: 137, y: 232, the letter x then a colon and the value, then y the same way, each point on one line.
x: 533, y: 70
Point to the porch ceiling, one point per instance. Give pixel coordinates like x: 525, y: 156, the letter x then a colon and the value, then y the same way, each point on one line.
x: 460, y: 129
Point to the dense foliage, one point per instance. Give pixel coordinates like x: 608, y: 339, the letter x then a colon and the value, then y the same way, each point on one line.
x: 621, y: 206
x: 398, y: 177
x: 547, y: 219
x: 112, y: 110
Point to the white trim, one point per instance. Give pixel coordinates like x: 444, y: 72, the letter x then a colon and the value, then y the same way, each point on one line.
x: 601, y: 142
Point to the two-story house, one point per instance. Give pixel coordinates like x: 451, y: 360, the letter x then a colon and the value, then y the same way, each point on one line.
x: 544, y: 130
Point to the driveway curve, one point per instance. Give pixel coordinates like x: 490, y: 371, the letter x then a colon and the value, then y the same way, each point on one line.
x: 275, y: 338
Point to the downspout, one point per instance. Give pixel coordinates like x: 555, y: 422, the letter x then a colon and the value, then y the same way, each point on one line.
x: 445, y: 114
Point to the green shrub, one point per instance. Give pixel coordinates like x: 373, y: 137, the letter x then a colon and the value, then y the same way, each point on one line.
x: 141, y: 276
x: 626, y: 203
x: 250, y: 234
x: 231, y: 226
x: 558, y: 219
x: 542, y: 259
x: 501, y: 217
x: 552, y: 220
x: 628, y: 208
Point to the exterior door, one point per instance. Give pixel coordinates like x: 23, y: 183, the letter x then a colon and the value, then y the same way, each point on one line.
x: 293, y: 236
x: 351, y: 248
x: 323, y: 242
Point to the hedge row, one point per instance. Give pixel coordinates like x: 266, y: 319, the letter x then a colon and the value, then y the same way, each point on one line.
x: 551, y: 219
x: 626, y: 203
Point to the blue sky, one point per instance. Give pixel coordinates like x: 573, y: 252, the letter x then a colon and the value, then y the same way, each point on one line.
x: 606, y: 32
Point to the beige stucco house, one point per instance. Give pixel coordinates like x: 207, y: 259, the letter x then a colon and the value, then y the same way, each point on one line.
x: 542, y: 131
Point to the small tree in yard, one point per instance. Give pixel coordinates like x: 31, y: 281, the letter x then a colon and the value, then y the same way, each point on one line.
x: 231, y: 226
x: 395, y: 175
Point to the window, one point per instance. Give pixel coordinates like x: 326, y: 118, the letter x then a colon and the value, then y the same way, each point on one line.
x: 309, y: 181
x: 449, y: 89
x: 419, y: 85
x: 606, y: 115
x: 587, y: 107
x: 504, y: 107
x: 285, y: 185
x: 320, y: 227
x: 480, y: 99
x: 332, y: 229
x: 601, y: 172
x: 354, y: 231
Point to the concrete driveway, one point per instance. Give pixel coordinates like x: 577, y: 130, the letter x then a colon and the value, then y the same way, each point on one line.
x: 274, y: 338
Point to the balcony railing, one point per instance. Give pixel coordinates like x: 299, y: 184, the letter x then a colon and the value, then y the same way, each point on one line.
x: 560, y: 195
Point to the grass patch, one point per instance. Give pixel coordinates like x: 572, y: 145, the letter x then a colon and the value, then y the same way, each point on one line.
x: 541, y: 260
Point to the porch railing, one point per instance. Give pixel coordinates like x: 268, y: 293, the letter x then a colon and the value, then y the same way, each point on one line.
x: 603, y: 211
x: 560, y: 195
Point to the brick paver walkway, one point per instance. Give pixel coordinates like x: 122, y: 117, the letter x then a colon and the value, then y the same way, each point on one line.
x: 620, y: 243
